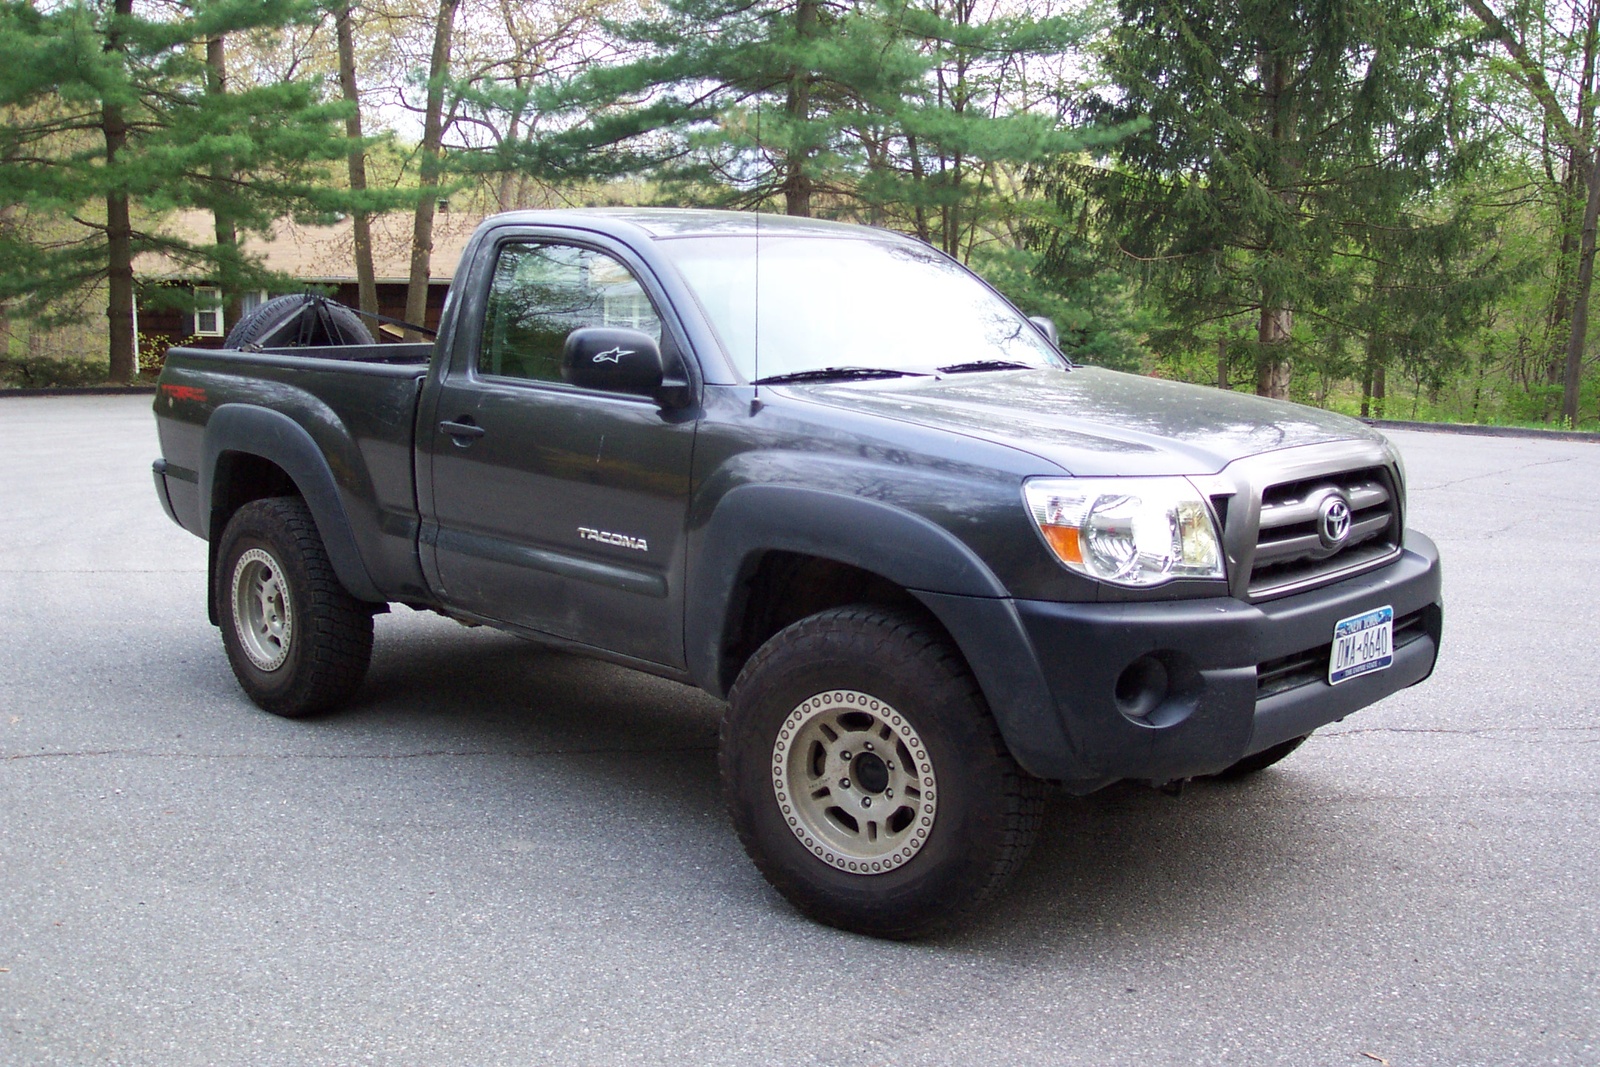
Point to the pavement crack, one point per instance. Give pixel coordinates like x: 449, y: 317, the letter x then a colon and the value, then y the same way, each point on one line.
x: 1490, y: 474
x: 1482, y: 731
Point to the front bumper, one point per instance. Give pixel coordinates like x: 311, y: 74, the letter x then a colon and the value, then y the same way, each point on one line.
x: 1234, y: 677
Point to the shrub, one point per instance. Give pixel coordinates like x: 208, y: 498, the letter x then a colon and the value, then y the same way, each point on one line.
x: 50, y: 372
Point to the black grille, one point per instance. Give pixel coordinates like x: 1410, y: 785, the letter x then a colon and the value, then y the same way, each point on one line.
x: 1303, y: 668
x: 1290, y: 553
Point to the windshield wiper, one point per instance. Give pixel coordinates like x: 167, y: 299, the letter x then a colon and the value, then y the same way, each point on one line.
x: 985, y: 364
x: 822, y: 374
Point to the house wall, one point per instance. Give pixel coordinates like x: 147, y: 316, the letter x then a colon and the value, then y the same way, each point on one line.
x: 392, y: 302
x: 176, y: 327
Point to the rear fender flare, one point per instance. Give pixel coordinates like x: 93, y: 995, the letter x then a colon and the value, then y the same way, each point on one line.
x: 275, y: 437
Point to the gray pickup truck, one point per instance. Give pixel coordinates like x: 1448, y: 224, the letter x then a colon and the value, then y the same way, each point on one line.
x: 827, y: 474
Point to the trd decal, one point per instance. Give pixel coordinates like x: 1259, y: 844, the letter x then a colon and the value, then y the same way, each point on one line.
x: 185, y: 392
x: 607, y: 538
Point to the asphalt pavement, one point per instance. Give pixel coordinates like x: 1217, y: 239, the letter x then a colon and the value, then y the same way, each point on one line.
x: 503, y: 855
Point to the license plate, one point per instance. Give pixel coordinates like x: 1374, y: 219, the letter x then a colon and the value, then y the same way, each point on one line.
x: 1361, y: 644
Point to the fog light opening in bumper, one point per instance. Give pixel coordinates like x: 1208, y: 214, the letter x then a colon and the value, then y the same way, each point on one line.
x: 1141, y: 687
x: 1158, y: 689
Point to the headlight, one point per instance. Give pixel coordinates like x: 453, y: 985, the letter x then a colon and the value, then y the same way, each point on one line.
x: 1130, y: 531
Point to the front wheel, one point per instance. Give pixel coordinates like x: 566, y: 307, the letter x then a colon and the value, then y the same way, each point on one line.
x: 1260, y: 761
x: 867, y: 779
x: 297, y: 641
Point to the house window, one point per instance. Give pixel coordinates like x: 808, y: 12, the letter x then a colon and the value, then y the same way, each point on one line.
x: 252, y: 299
x: 207, y: 311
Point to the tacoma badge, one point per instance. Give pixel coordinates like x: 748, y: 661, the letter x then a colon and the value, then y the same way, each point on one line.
x: 620, y: 540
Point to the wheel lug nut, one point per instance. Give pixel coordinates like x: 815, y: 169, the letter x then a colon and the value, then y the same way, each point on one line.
x: 867, y: 746
x: 888, y: 793
x: 866, y: 802
x: 845, y: 756
x: 890, y: 765
x: 844, y: 783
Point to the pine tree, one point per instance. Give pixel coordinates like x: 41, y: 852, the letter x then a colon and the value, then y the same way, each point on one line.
x: 1279, y: 138
x: 736, y: 101
x: 888, y: 111
x: 117, y: 116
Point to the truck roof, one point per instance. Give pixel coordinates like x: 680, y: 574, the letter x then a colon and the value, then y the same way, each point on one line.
x: 667, y: 223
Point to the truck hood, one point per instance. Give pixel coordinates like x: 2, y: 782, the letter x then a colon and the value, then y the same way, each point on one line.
x: 1090, y: 421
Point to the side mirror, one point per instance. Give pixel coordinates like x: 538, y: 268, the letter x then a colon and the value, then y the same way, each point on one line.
x: 1047, y: 326
x: 613, y: 360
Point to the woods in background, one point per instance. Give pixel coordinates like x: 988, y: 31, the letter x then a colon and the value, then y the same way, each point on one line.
x: 1381, y: 206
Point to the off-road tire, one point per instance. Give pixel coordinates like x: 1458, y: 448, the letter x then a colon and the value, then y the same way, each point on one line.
x: 1260, y: 761
x: 276, y: 316
x: 298, y: 642
x: 987, y: 809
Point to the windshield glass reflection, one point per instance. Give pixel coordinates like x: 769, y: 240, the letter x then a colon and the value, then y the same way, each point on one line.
x: 840, y: 302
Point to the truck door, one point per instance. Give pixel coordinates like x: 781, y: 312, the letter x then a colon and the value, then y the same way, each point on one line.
x: 556, y: 508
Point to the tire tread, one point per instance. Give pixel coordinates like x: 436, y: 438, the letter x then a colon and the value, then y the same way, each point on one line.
x: 901, y: 636
x: 335, y: 627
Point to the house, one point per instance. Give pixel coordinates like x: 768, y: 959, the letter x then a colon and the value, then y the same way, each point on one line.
x: 323, y: 256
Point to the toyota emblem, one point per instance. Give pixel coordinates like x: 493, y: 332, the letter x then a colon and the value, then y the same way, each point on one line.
x: 1333, y: 521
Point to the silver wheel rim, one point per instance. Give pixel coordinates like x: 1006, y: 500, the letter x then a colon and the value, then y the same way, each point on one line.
x: 262, y: 612
x: 854, y: 782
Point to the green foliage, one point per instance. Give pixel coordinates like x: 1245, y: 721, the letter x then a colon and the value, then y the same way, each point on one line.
x: 153, y: 350
x: 107, y: 105
x: 1326, y: 165
x: 888, y: 111
x: 1099, y: 315
x: 23, y: 371
x: 1288, y: 165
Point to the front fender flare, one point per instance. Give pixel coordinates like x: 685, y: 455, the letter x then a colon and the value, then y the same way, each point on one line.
x: 925, y: 559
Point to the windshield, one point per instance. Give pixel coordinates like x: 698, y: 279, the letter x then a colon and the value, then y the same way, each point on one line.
x: 829, y: 302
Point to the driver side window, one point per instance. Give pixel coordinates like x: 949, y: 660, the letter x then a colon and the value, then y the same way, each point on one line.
x: 542, y: 292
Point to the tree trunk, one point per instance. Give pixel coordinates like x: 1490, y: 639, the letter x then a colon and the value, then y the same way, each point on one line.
x: 1222, y: 361
x: 797, y: 183
x: 360, y: 225
x: 1277, y: 321
x: 119, y: 225
x: 506, y: 194
x: 1380, y: 389
x: 6, y: 213
x: 227, y: 233
x: 1560, y: 320
x: 1272, y: 369
x: 960, y: 94
x: 428, y: 172
x: 1580, y: 297
x: 919, y: 178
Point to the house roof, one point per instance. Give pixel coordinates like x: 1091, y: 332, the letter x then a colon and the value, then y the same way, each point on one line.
x: 323, y: 253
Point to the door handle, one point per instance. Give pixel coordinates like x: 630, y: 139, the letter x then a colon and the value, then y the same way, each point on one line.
x: 463, y: 432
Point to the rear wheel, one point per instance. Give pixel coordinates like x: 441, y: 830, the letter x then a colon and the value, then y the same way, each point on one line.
x: 297, y: 641
x: 867, y: 779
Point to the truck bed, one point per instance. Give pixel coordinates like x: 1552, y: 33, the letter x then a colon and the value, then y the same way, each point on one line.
x: 356, y: 403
